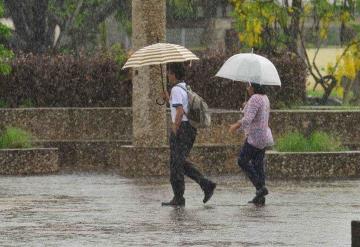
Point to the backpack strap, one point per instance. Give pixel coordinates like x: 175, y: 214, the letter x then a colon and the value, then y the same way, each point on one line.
x: 177, y: 85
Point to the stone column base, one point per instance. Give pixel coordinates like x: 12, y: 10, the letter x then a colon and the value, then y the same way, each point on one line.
x: 131, y: 161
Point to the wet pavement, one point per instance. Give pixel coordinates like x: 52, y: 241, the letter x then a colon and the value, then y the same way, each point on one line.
x: 108, y: 210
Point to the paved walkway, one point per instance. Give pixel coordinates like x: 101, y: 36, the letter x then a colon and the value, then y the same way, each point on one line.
x: 107, y: 210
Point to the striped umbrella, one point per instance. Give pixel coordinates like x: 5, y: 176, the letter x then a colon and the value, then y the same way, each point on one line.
x: 160, y: 53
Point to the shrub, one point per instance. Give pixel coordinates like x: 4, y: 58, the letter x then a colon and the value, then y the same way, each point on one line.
x: 317, y: 142
x: 222, y: 93
x: 15, y: 138
x: 217, y: 92
x: 3, y: 103
x: 66, y: 81
x: 321, y: 142
x: 28, y: 103
x: 98, y: 81
x: 292, y: 142
x: 293, y: 73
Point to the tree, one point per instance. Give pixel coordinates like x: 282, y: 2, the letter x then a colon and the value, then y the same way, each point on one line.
x: 270, y: 25
x: 78, y: 20
x: 324, y: 14
x: 181, y: 10
x: 5, y: 54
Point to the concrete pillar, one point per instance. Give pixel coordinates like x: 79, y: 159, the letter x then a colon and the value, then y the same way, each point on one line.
x: 355, y: 233
x: 149, y: 119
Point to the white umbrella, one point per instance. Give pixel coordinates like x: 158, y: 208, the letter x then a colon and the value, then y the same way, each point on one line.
x: 160, y: 53
x: 249, y: 67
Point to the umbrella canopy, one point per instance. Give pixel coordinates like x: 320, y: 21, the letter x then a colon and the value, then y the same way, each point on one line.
x: 249, y: 67
x: 160, y: 53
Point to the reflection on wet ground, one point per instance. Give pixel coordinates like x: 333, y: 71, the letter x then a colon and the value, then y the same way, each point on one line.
x: 108, y: 210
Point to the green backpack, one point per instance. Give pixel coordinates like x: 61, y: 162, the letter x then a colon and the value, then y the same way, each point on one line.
x: 198, y: 115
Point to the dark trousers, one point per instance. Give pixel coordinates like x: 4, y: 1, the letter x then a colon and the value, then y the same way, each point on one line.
x: 180, y: 147
x: 251, y: 161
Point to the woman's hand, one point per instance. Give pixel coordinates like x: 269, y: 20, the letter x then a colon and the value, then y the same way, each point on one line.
x: 234, y: 127
x: 244, y: 104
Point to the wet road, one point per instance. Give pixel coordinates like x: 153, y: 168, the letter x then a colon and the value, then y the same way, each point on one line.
x: 108, y: 210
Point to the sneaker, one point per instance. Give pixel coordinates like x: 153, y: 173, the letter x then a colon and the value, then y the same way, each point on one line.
x: 258, y: 201
x: 209, y: 191
x: 175, y: 202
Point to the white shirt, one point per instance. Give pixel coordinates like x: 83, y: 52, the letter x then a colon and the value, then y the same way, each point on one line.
x: 178, y: 96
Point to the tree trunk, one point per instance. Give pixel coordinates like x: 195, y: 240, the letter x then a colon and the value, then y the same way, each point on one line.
x: 328, y: 87
x: 35, y: 23
x: 356, y: 89
x: 210, y: 7
x: 294, y: 28
x: 347, y: 84
x: 31, y: 26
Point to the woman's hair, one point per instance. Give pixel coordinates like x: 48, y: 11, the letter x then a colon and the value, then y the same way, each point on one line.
x: 258, y: 89
x: 178, y: 69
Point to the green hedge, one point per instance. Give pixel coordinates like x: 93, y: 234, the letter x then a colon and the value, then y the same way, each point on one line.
x: 98, y: 81
x: 65, y: 81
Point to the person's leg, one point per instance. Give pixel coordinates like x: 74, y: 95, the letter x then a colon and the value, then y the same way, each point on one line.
x: 206, y: 185
x: 259, y: 167
x: 176, y: 172
x: 261, y: 190
x: 247, y: 153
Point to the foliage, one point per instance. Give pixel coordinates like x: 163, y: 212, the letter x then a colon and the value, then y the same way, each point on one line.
x: 255, y: 19
x: 78, y: 21
x: 27, y: 103
x: 221, y: 93
x: 293, y: 73
x: 317, y: 142
x: 119, y: 54
x: 15, y: 138
x: 347, y: 71
x: 274, y: 25
x: 124, y: 19
x: 65, y: 81
x: 181, y: 9
x: 5, y: 54
x: 3, y: 103
x: 99, y: 81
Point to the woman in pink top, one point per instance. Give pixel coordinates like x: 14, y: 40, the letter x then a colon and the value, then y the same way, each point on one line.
x: 258, y: 137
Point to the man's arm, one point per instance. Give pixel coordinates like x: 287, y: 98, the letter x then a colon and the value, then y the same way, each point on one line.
x: 178, y: 118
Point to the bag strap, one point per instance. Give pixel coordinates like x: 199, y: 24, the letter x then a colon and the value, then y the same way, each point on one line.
x: 177, y: 85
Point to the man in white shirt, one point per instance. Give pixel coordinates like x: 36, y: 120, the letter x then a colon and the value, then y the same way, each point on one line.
x: 182, y: 138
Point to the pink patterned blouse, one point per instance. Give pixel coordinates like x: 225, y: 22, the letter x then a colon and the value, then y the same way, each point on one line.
x: 255, y: 122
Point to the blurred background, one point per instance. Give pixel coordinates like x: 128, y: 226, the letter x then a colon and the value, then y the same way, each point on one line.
x: 62, y: 53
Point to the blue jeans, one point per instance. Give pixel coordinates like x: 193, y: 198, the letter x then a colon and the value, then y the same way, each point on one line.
x: 251, y: 161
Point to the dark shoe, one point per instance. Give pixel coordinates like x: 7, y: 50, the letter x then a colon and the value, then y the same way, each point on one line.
x: 263, y: 191
x: 209, y: 191
x: 175, y: 202
x: 258, y: 201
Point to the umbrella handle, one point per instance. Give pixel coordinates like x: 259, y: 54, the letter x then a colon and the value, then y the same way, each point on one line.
x: 163, y: 88
x: 159, y: 102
